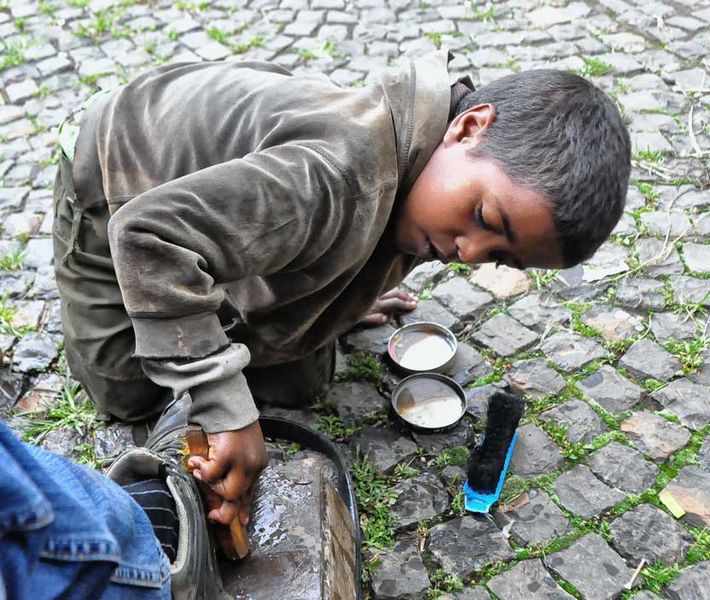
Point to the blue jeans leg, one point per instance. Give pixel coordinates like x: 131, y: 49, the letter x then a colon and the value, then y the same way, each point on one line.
x: 67, y: 531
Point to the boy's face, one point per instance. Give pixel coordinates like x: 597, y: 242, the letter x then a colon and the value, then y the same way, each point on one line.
x: 468, y: 210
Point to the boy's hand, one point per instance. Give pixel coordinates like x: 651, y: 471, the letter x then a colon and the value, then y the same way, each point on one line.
x: 235, y: 461
x: 395, y: 300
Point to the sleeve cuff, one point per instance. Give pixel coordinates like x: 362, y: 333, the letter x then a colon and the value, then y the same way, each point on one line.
x: 194, y: 336
x: 223, y: 405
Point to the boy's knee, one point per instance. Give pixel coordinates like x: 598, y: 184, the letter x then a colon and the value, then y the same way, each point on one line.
x: 126, y: 398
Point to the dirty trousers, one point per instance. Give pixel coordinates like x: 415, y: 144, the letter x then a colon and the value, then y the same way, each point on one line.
x: 99, y: 341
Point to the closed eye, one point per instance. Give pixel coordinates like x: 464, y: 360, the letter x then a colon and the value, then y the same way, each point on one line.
x: 480, y: 220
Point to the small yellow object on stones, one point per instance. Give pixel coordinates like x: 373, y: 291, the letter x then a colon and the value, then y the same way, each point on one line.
x: 671, y: 504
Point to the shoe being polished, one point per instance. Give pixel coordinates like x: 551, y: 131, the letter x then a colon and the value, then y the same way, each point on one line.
x: 194, y: 573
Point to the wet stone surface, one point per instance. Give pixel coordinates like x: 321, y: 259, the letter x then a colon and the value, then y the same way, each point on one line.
x: 623, y: 468
x: 583, y: 494
x: 571, y: 351
x: 653, y: 271
x: 400, y: 574
x: 537, y: 521
x: 592, y: 567
x: 465, y: 544
x: 656, y: 437
x: 610, y: 390
x: 647, y: 532
x: 504, y: 335
x: 527, y: 579
x: 419, y: 498
x: 692, y: 583
x: 535, y: 453
x: 645, y: 359
x: 383, y: 448
x: 581, y: 422
x: 534, y: 378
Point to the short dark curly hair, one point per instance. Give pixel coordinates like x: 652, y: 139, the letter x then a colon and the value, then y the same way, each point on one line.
x: 559, y: 135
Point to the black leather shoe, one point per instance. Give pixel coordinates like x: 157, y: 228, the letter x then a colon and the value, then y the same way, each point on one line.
x: 194, y: 573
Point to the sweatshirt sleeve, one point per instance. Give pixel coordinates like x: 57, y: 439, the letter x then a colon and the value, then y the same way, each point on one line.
x: 221, y: 399
x: 173, y: 245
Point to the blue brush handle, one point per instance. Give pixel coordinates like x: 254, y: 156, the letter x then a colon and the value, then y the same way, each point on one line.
x: 478, y: 502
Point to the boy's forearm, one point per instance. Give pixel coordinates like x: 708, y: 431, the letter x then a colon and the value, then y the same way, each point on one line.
x: 221, y: 399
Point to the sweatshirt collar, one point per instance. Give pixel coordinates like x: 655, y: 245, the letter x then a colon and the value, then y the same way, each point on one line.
x: 419, y: 95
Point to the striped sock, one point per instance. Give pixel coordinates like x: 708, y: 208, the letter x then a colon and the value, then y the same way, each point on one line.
x: 156, y: 500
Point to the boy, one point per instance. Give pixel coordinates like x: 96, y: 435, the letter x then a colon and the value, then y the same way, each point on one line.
x: 221, y: 211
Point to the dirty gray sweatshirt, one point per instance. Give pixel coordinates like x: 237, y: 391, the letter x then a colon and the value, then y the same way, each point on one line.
x: 251, y: 211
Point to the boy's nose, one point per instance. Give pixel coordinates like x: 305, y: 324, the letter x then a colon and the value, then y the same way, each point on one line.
x: 471, y: 251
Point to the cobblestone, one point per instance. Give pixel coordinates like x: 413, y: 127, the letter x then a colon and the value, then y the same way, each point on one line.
x: 592, y: 567
x: 400, y: 574
x: 527, y: 579
x: 465, y: 544
x: 417, y: 499
x: 693, y: 582
x: 535, y: 453
x: 655, y: 436
x: 648, y: 360
x: 571, y: 351
x: 581, y: 423
x: 583, y: 494
x: 691, y: 490
x: 647, y: 532
x: 534, y: 378
x: 610, y: 390
x: 537, y: 521
x: 384, y: 448
x: 623, y: 468
x: 504, y: 335
x: 461, y: 298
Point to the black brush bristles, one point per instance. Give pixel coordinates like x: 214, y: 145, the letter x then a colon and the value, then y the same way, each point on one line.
x: 486, y: 461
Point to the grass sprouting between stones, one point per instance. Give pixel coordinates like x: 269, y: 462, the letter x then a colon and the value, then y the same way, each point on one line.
x: 443, y: 582
x: 362, y: 366
x: 333, y: 427
x: 70, y: 411
x: 374, y: 498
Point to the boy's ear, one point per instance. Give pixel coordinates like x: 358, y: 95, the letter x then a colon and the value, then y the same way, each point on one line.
x: 470, y: 126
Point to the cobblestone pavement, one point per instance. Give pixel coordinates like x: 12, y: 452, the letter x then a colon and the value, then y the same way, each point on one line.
x: 612, y: 356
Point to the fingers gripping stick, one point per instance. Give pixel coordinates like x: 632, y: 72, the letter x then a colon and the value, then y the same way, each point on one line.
x: 233, y: 541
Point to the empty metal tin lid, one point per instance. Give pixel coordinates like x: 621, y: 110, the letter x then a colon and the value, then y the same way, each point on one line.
x: 429, y: 402
x: 422, y: 346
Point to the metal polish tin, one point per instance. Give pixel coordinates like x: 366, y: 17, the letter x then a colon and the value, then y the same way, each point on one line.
x: 422, y: 347
x: 428, y: 402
